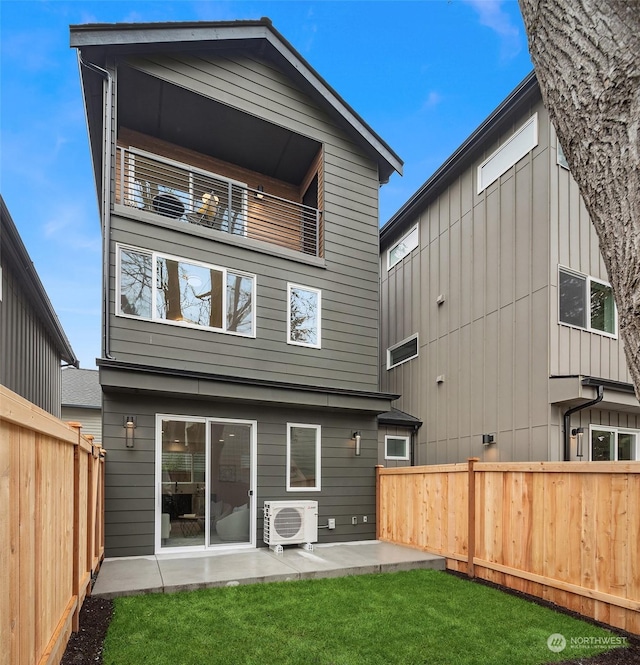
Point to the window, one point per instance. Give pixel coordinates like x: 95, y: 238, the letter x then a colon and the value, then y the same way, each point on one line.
x: 396, y: 447
x: 403, y: 248
x: 560, y: 158
x: 303, y: 315
x: 303, y: 457
x: 173, y: 290
x: 400, y: 353
x: 613, y: 444
x: 586, y: 303
x: 510, y: 153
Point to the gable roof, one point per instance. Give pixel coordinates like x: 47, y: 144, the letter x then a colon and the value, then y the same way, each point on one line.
x: 474, y: 145
x: 96, y: 40
x: 81, y: 388
x: 15, y: 254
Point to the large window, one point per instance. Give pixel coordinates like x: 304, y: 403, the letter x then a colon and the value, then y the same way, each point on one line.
x: 303, y: 457
x: 509, y: 153
x: 173, y: 290
x: 402, y: 352
x: 613, y: 444
x: 402, y: 248
x: 586, y: 302
x: 303, y: 315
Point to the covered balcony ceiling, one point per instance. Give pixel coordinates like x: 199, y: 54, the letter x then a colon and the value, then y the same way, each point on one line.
x: 160, y: 109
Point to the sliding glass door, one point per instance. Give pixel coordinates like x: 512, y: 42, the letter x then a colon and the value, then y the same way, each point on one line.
x: 205, y: 482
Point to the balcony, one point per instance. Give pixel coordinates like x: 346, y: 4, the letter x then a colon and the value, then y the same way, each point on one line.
x: 192, y: 195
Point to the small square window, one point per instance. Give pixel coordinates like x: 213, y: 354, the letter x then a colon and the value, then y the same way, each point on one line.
x: 586, y: 302
x: 396, y: 447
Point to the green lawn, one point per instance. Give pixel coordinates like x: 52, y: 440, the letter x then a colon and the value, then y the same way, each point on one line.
x: 421, y: 616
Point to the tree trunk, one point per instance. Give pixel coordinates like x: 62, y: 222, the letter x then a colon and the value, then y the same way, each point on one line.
x: 586, y: 55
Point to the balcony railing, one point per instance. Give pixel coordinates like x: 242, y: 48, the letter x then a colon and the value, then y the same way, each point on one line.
x: 191, y: 195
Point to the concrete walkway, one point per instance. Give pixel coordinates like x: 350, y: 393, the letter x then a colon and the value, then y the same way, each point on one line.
x: 163, y: 574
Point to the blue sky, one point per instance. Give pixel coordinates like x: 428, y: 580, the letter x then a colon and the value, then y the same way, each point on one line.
x: 424, y: 74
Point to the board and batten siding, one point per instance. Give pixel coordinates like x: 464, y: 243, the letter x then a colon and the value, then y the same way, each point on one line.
x: 348, y: 482
x: 488, y: 255
x: 348, y: 280
x: 29, y: 358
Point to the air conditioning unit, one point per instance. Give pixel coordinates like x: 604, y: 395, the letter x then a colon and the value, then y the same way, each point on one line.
x: 290, y: 523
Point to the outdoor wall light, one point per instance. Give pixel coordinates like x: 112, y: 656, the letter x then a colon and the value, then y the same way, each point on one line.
x: 488, y: 439
x: 259, y: 192
x: 578, y: 432
x: 357, y: 437
x: 129, y: 428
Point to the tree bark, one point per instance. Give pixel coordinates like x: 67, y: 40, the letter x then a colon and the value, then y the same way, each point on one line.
x: 586, y: 55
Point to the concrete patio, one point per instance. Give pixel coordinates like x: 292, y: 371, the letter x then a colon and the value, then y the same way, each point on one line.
x: 165, y: 574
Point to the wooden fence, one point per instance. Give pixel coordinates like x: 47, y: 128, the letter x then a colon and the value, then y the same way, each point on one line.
x: 568, y: 532
x: 51, y: 530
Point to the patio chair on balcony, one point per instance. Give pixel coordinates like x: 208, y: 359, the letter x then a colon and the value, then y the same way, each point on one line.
x: 207, y: 213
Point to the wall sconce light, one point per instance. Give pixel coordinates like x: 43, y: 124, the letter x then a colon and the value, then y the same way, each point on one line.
x: 578, y: 432
x: 488, y: 439
x: 129, y: 428
x: 357, y: 437
x: 259, y: 192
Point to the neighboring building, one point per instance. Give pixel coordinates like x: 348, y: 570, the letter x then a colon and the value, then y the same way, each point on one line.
x: 33, y: 344
x: 82, y: 400
x: 496, y: 315
x: 240, y: 216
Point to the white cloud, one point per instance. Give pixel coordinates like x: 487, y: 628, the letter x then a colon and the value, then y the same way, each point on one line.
x: 492, y: 15
x: 433, y: 99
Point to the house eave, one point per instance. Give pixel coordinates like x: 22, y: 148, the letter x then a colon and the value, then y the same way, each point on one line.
x: 119, y: 376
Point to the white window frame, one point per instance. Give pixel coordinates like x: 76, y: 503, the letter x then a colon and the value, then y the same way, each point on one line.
x: 404, y: 438
x: 588, y: 279
x: 395, y: 346
x: 182, y: 324
x: 615, y: 431
x: 521, y: 142
x: 318, y: 457
x: 410, y: 247
x: 310, y: 289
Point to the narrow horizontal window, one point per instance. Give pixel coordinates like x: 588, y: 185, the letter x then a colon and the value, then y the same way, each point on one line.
x: 400, y: 353
x: 402, y: 248
x: 170, y: 289
x: 396, y: 447
x: 303, y: 457
x: 304, y: 306
x: 586, y: 302
x: 510, y: 153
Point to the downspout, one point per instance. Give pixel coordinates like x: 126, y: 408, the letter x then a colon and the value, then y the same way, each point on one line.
x: 567, y: 420
x: 412, y: 453
x: 105, y: 203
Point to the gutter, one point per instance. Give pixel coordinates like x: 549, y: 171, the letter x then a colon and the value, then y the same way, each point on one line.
x: 105, y: 203
x: 567, y: 419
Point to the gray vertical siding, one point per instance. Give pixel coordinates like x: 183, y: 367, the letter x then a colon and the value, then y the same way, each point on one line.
x: 496, y: 338
x: 348, y: 482
x: 29, y: 357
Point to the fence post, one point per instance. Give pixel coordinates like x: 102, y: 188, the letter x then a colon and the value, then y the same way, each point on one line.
x: 471, y: 517
x: 378, y: 501
x: 75, y: 583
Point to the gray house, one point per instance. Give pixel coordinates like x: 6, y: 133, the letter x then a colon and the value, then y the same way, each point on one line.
x: 499, y: 328
x: 33, y: 345
x: 82, y: 400
x: 239, y: 209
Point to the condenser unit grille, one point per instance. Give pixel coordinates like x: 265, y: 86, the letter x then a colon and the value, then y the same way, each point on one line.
x: 287, y: 522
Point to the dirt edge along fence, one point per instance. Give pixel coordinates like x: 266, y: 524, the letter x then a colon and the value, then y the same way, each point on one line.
x: 51, y: 529
x: 567, y: 532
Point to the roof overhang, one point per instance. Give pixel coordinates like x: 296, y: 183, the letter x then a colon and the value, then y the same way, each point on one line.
x: 570, y: 391
x: 97, y: 42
